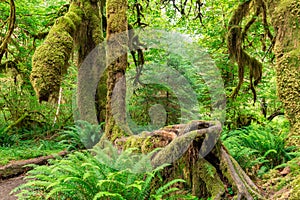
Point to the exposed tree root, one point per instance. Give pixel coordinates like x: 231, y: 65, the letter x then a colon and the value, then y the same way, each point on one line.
x: 197, y: 156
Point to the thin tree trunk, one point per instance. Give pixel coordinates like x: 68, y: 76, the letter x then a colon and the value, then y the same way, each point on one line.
x: 11, y: 26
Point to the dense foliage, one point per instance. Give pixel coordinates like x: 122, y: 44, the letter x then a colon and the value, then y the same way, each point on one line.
x: 255, y: 131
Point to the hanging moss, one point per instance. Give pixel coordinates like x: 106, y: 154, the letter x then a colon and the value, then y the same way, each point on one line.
x: 238, y: 54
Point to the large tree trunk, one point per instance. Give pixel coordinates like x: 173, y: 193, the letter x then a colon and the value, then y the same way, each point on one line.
x: 116, y: 54
x: 80, y: 27
x: 286, y: 20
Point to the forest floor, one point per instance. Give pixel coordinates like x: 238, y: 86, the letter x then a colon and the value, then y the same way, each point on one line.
x: 7, y: 185
x: 12, y: 174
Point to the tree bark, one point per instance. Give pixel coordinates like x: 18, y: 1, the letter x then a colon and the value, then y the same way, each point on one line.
x: 116, y: 54
x: 286, y: 20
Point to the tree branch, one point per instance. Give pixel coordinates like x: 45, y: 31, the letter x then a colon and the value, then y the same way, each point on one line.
x: 11, y: 26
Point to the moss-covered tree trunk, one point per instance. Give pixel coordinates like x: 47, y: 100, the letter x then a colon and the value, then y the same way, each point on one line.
x: 50, y: 60
x: 91, y: 93
x: 286, y: 20
x: 116, y: 54
x: 81, y: 27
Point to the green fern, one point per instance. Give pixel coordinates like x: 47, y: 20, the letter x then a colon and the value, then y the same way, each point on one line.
x: 257, y: 145
x: 81, y: 135
x: 84, y: 176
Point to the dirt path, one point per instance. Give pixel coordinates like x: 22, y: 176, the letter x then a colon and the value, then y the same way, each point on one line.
x: 17, y: 167
x: 9, y: 184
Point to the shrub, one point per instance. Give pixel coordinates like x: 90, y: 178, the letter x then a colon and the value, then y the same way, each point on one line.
x: 81, y: 135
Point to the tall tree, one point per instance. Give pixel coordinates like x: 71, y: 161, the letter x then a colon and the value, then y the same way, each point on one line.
x: 286, y: 20
x: 117, y: 42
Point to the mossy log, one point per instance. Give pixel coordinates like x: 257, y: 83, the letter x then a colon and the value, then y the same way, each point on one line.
x: 215, y: 174
x: 16, y: 168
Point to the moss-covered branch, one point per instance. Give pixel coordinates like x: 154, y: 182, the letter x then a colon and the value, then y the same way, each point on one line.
x: 50, y: 60
x: 80, y: 26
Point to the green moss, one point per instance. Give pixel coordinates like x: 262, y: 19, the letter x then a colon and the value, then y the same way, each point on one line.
x: 208, y: 174
x: 50, y: 60
x: 50, y: 63
x: 287, y: 49
x: 295, y: 194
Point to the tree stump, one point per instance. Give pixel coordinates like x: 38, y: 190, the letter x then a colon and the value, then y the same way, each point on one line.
x: 196, y: 155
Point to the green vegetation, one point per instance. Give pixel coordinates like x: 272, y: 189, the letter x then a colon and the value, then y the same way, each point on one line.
x: 253, y: 43
x: 26, y: 149
x: 83, y: 176
x: 259, y: 148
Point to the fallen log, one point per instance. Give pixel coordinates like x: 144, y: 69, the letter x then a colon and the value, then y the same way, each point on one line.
x: 15, y: 168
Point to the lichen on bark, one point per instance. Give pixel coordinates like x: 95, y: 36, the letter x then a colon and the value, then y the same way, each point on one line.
x: 286, y: 20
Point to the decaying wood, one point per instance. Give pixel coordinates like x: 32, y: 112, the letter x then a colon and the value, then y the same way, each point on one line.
x: 196, y: 155
x: 18, y: 167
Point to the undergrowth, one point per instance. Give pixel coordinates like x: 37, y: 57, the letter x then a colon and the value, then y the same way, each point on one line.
x: 81, y: 135
x: 83, y: 176
x: 259, y: 148
x: 26, y: 149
